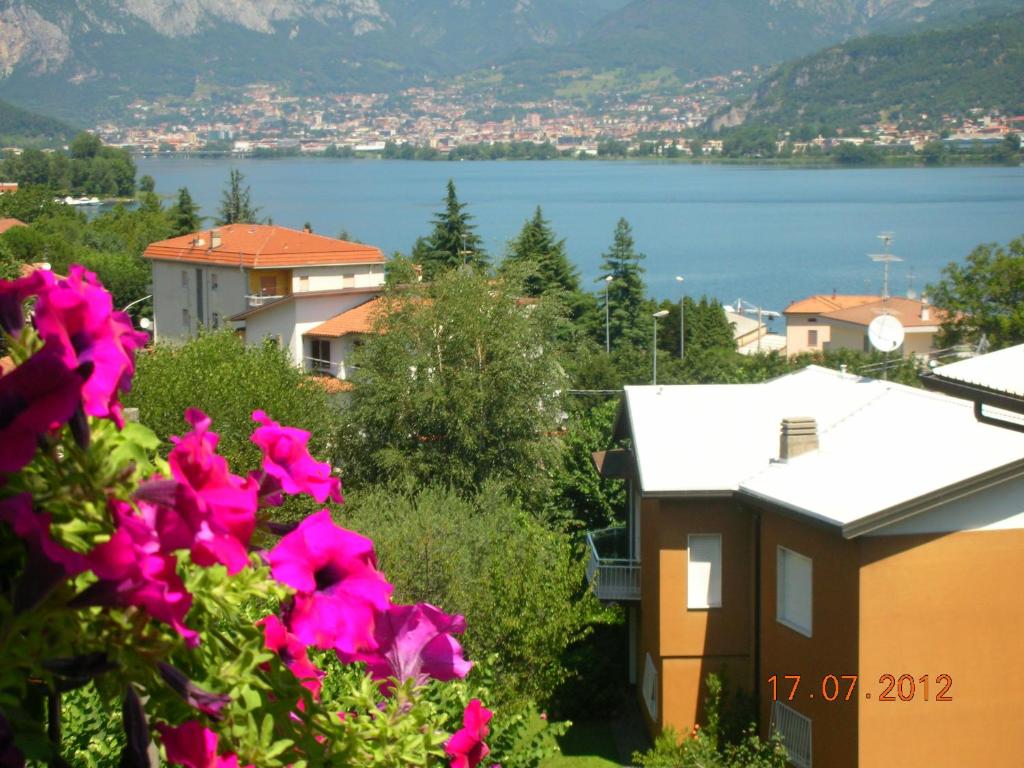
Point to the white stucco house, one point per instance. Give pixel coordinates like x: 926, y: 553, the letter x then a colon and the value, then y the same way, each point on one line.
x: 268, y: 282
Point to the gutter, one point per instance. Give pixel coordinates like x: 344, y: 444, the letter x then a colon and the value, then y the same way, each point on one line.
x: 981, y: 396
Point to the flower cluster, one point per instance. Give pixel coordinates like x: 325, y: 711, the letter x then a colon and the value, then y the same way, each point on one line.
x: 128, y: 557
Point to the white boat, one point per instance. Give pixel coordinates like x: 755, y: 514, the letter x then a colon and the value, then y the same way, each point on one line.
x: 69, y: 200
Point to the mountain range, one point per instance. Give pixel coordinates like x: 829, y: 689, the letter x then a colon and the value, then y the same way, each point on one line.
x: 71, y: 58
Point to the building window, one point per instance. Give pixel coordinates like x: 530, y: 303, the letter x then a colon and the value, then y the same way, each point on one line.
x: 649, y: 687
x: 704, y: 571
x: 812, y: 338
x: 304, y: 282
x: 795, y: 730
x: 320, y: 354
x: 184, y: 278
x: 216, y: 320
x: 213, y: 281
x: 794, y: 591
x: 186, y: 320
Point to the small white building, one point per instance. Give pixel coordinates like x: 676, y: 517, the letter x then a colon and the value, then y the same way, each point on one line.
x: 268, y: 281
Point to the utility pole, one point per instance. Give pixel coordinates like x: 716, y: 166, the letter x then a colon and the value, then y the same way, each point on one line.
x: 682, y: 311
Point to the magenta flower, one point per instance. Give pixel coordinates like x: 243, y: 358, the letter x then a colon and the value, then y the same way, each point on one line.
x: 193, y: 746
x: 292, y: 651
x: 34, y: 529
x: 13, y: 294
x: 76, y: 319
x: 133, y: 570
x: 415, y: 642
x: 217, y: 509
x: 286, y: 458
x: 466, y: 746
x: 341, y: 592
x: 39, y: 395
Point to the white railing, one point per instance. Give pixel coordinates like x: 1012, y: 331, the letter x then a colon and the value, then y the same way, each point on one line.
x: 258, y: 300
x: 611, y: 576
x: 326, y: 367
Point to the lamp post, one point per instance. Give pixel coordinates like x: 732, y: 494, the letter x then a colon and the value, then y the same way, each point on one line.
x: 682, y: 310
x: 654, y: 346
x: 607, y: 328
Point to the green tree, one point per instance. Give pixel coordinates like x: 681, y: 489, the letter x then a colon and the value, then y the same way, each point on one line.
x: 85, y: 146
x: 236, y: 202
x: 460, y: 386
x: 516, y: 581
x: 228, y: 380
x: 184, y: 214
x: 626, y: 291
x: 542, y: 257
x: 453, y: 242
x: 147, y: 184
x: 984, y: 296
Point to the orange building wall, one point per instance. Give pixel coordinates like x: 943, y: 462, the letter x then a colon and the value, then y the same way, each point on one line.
x: 944, y: 604
x: 832, y: 649
x: 686, y: 644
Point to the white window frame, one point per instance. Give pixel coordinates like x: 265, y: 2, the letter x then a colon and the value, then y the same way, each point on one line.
x: 695, y: 573
x: 796, y: 733
x: 781, y: 554
x: 649, y: 687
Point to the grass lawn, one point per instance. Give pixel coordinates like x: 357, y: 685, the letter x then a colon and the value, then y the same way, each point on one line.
x: 586, y: 745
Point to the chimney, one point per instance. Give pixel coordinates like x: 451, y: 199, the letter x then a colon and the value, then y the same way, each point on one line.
x: 926, y: 310
x: 198, y: 242
x: 799, y: 435
x: 307, y: 229
x: 214, y: 238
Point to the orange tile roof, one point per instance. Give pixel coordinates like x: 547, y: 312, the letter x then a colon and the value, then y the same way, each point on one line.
x: 820, y: 304
x: 907, y: 311
x: 356, y: 320
x: 263, y: 246
x: 6, y: 224
x: 331, y: 385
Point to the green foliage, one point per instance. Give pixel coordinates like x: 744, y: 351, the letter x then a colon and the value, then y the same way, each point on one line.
x: 708, y: 748
x: 518, y: 583
x: 236, y: 202
x: 399, y: 269
x: 184, y: 214
x: 90, y: 169
x: 453, y: 243
x: 21, y: 128
x: 542, y: 257
x: 227, y: 380
x: 627, y: 321
x: 462, y: 385
x: 30, y: 203
x: 984, y: 296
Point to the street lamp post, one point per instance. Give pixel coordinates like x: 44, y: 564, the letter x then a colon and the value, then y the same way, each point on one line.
x: 682, y: 310
x: 654, y: 346
x: 607, y: 327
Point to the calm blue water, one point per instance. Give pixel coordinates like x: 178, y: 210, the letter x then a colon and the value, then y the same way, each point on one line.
x: 764, y: 234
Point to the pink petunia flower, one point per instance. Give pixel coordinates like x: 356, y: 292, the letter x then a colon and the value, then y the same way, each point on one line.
x: 466, y: 746
x: 293, y: 653
x: 217, y: 509
x: 286, y: 458
x: 193, y: 746
x: 76, y: 318
x: 34, y: 528
x: 133, y: 570
x: 415, y: 642
x: 341, y: 592
x: 13, y: 294
x: 39, y: 395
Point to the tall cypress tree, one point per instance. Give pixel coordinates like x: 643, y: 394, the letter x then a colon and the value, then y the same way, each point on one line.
x: 453, y: 242
x: 236, y: 202
x: 543, y: 258
x: 185, y: 214
x: 626, y: 291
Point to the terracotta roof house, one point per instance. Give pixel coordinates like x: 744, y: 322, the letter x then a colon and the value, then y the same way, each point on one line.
x: 841, y: 322
x: 846, y: 550
x: 6, y: 224
x: 270, y: 281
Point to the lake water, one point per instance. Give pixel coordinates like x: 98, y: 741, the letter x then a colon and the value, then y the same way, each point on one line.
x: 768, y: 235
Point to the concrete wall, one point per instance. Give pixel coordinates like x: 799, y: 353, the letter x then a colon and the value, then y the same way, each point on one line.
x: 176, y: 287
x: 334, y: 278
x: 797, y: 327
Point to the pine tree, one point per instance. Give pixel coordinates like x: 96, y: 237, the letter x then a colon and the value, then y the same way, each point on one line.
x: 236, y: 203
x: 184, y: 214
x: 453, y: 242
x: 626, y: 291
x: 543, y: 259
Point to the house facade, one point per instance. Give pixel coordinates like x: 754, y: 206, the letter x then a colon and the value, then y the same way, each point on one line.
x: 266, y: 281
x: 820, y: 323
x: 844, y: 549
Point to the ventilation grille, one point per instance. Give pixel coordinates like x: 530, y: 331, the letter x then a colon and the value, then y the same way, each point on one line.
x: 649, y: 687
x: 795, y: 730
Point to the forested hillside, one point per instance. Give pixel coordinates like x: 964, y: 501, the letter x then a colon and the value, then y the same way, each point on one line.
x: 19, y: 127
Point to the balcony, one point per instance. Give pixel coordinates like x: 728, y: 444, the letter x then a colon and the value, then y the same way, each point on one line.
x: 612, y: 574
x: 254, y: 300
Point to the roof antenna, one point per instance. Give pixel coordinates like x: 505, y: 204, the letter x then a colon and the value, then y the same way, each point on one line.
x: 886, y: 259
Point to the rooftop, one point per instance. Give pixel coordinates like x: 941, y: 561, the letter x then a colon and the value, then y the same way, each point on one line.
x: 356, y: 320
x: 262, y: 246
x: 910, y: 312
x: 1001, y: 371
x: 820, y: 304
x: 6, y: 224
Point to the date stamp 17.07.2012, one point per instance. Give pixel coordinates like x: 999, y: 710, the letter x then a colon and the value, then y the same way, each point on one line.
x: 903, y: 687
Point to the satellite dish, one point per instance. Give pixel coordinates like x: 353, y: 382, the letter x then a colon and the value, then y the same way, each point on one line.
x: 885, y: 333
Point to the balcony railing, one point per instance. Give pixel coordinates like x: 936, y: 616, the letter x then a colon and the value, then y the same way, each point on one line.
x: 258, y: 300
x: 612, y: 574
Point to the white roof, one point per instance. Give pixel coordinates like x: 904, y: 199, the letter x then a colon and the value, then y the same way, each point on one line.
x: 1001, y: 371
x: 880, y: 444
